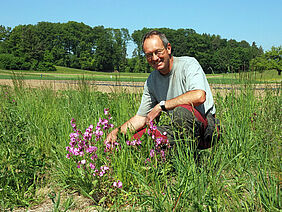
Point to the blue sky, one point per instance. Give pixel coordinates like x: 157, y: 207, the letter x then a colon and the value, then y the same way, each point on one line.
x: 250, y: 20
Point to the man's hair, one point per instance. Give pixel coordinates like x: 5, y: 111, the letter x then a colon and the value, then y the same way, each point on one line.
x: 155, y: 32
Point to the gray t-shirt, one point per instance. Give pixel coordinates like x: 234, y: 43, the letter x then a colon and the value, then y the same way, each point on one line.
x: 186, y: 75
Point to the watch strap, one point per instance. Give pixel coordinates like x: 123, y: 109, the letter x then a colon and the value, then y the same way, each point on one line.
x: 162, y: 104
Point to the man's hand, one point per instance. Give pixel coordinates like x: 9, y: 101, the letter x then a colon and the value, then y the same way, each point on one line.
x: 112, y: 137
x: 153, y: 114
x: 133, y: 124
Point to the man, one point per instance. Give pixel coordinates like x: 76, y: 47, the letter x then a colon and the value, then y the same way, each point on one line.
x: 177, y: 85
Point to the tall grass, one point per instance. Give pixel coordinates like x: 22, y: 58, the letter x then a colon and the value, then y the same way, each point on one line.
x: 241, y: 172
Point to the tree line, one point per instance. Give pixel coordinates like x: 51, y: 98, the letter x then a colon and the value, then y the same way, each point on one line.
x: 46, y: 45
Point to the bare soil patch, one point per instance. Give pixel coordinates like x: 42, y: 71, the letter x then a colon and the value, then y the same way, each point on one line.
x: 109, y: 86
x: 102, y: 86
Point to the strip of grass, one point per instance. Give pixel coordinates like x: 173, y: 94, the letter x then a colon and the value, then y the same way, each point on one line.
x: 92, y: 78
x: 75, y: 74
x: 269, y: 76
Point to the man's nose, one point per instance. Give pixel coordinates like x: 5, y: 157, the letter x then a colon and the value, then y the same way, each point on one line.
x: 155, y: 56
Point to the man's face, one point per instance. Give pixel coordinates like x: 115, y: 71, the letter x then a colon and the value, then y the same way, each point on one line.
x: 157, y: 55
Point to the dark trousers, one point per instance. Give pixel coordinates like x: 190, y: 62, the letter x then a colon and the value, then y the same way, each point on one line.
x: 187, y: 122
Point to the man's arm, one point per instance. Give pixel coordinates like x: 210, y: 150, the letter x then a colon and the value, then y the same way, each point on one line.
x: 195, y: 98
x: 133, y: 124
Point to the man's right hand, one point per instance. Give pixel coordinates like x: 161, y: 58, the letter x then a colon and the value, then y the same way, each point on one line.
x: 112, y: 137
x: 133, y: 124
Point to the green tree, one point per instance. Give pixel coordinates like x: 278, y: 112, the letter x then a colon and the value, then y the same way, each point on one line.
x: 4, y: 35
x: 121, y: 38
x: 259, y: 63
x: 274, y: 58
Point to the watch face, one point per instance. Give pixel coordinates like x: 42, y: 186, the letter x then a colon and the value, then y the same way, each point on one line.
x: 162, y: 104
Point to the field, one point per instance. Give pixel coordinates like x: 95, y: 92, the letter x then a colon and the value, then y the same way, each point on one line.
x: 240, y: 172
x: 64, y: 73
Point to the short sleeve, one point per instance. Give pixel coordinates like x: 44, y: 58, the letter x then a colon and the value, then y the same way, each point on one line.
x: 147, y: 102
x: 195, y: 77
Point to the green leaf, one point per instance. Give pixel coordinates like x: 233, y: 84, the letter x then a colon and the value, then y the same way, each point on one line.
x: 94, y: 183
x: 102, y: 200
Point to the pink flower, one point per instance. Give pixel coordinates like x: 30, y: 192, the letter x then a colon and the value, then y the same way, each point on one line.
x: 91, y: 149
x: 83, y: 161
x: 104, y: 168
x: 163, y: 154
x: 152, y: 153
x: 158, y: 141
x: 133, y: 143
x: 105, y: 127
x: 117, y: 184
x: 99, y: 133
x: 104, y: 121
x: 106, y: 111
x: 138, y: 142
x: 91, y: 165
x: 90, y: 127
x: 74, y: 135
x: 152, y: 127
x: 93, y: 157
x: 75, y: 151
x: 72, y: 143
x: 73, y: 123
x: 108, y: 146
x: 147, y: 160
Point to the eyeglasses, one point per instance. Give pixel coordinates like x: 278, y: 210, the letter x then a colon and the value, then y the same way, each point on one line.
x: 158, y: 52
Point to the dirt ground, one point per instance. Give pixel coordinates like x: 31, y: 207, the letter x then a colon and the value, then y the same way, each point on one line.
x: 107, y: 86
x: 101, y: 86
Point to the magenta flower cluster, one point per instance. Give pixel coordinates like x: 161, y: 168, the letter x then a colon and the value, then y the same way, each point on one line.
x: 83, y: 150
x: 161, y: 143
x: 117, y: 184
x: 135, y: 142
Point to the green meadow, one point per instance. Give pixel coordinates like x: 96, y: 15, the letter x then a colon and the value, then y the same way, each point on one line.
x: 64, y: 73
x: 241, y: 172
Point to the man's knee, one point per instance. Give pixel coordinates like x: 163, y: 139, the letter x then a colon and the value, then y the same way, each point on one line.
x: 184, y: 120
x: 182, y: 117
x: 211, y: 134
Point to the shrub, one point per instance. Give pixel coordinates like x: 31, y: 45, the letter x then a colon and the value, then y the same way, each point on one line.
x: 11, y: 62
x: 8, y: 61
x: 26, y: 66
x: 45, y: 66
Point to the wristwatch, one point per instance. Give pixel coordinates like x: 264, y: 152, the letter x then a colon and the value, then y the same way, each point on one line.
x: 162, y: 104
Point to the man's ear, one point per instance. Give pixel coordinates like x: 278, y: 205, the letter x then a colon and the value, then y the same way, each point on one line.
x: 168, y: 48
